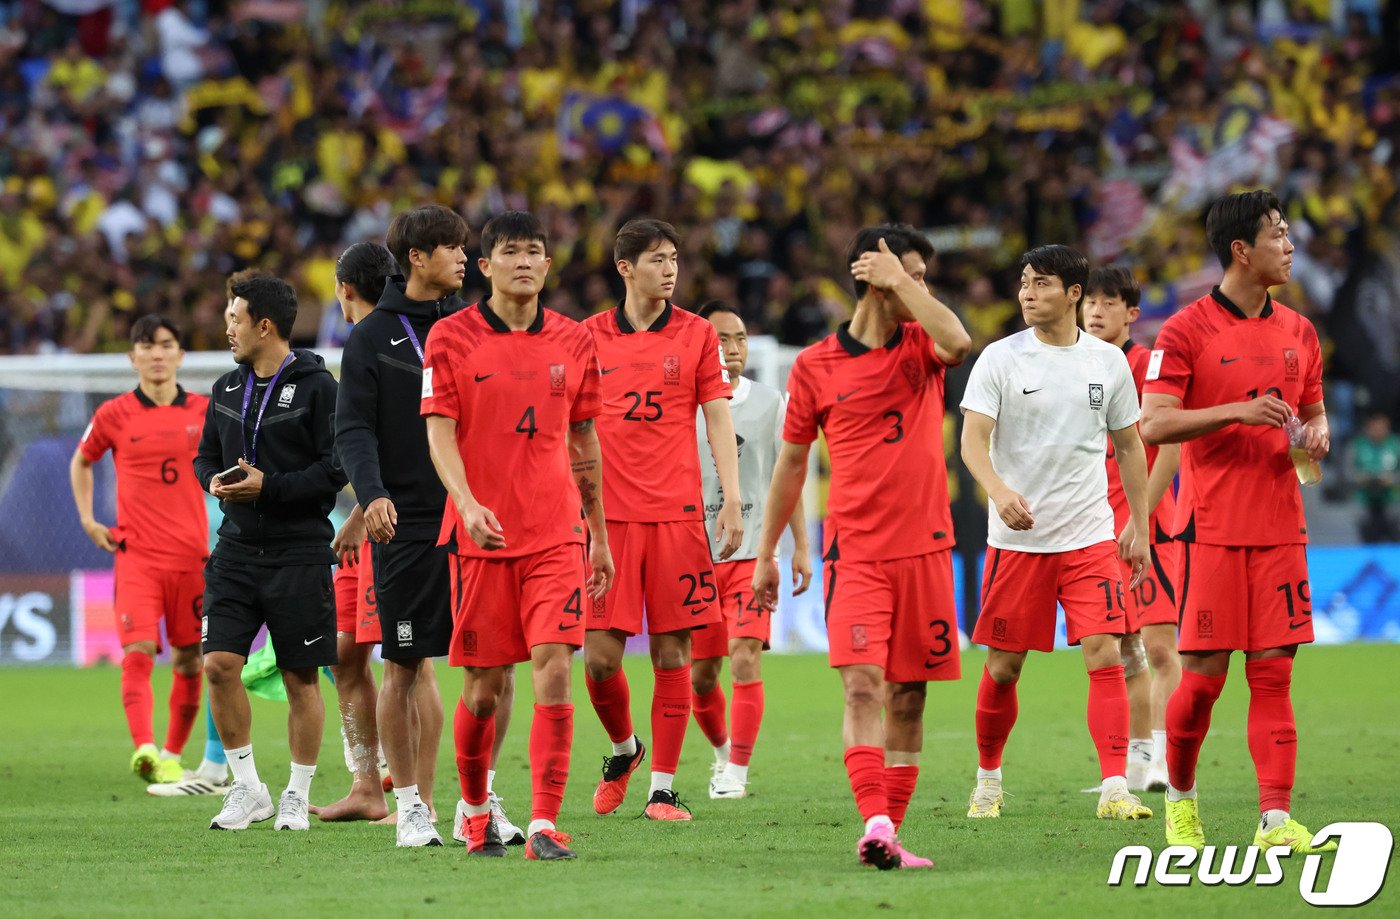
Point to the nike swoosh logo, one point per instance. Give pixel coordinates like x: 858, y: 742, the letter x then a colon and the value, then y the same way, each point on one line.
x: 607, y: 370
x: 1299, y: 625
x: 487, y: 376
x: 1285, y: 741
x: 1228, y: 360
x: 842, y: 397
x: 566, y: 628
x: 244, y: 755
x: 233, y: 387
x: 142, y: 437
x: 1027, y: 392
x: 312, y: 641
x: 669, y: 715
x: 398, y: 341
x: 1111, y: 618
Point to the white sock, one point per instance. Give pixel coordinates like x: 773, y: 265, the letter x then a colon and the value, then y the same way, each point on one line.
x: 166, y: 754
x: 1140, y: 751
x: 476, y: 810
x: 737, y: 772
x: 1272, y: 818
x: 215, y: 771
x: 300, y: 782
x: 240, y: 760
x: 993, y: 775
x: 722, y: 753
x: 877, y: 820
x: 406, y: 797
x: 537, y: 825
x: 661, y: 781
x: 1174, y: 794
x: 490, y: 782
x: 1111, y: 784
x: 627, y: 748
x: 1159, y: 747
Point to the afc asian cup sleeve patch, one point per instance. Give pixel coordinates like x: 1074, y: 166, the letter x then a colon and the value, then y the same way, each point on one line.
x: 1154, y: 365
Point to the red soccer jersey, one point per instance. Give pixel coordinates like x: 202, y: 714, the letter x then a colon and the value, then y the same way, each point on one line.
x: 1238, y: 487
x: 513, y: 396
x: 653, y: 380
x: 160, y: 506
x: 1164, y: 513
x: 882, y: 413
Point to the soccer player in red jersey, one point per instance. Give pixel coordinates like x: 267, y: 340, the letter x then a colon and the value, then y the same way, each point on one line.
x: 658, y: 364
x: 875, y: 389
x: 1045, y: 400
x: 160, y: 540
x: 510, y: 391
x: 743, y: 634
x: 1110, y: 308
x: 1227, y: 374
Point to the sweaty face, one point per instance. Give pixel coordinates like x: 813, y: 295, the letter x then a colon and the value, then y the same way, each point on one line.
x: 1043, y: 297
x: 244, y: 335
x: 654, y: 274
x: 733, y: 341
x: 443, y: 270
x: 516, y: 268
x: 156, y: 361
x: 1106, y: 318
x: 1271, y: 256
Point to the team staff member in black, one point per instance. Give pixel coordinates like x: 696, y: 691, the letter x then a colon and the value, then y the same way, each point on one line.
x: 267, y: 455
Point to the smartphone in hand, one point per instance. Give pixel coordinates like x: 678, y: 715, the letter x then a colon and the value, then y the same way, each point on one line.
x: 231, y: 476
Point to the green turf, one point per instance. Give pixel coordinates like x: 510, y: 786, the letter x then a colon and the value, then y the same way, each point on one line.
x: 80, y: 837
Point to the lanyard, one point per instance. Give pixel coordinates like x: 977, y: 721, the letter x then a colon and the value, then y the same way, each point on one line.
x: 412, y: 336
x: 252, y: 451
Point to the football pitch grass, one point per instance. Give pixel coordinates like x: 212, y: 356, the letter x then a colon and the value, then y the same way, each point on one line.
x: 81, y: 837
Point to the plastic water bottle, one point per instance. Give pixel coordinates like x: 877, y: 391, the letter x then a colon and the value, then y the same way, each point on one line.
x: 1309, y: 472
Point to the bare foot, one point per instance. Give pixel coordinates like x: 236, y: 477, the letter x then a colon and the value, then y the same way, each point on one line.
x: 354, y: 806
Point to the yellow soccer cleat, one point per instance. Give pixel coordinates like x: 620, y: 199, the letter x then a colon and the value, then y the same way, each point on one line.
x: 986, y: 800
x: 1184, y: 824
x: 1123, y: 805
x: 1294, y: 835
x: 167, y: 771
x: 145, y: 761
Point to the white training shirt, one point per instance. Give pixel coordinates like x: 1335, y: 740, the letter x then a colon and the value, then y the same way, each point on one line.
x: 1053, y: 408
x: 758, y: 412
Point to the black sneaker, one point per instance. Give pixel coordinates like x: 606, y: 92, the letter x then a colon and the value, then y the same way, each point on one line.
x: 548, y: 846
x: 492, y: 847
x: 666, y: 805
x: 617, y: 772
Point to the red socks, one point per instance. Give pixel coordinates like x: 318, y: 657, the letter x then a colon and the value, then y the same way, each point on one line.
x: 1108, y: 718
x: 996, y: 715
x: 137, y: 698
x: 899, y: 788
x: 865, y: 766
x: 551, y: 737
x: 670, y: 715
x: 1188, y: 720
x: 746, y: 714
x: 709, y: 714
x: 1273, y: 738
x: 474, y: 737
x: 184, y: 708
x: 613, y: 703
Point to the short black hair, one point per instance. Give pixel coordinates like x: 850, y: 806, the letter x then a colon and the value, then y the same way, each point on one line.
x: 268, y: 298
x: 1239, y: 216
x: 143, y: 330
x: 424, y: 228
x: 1114, y: 281
x: 512, y: 226
x: 717, y: 306
x: 1069, y: 265
x: 640, y: 235
x: 902, y: 239
x: 366, y: 267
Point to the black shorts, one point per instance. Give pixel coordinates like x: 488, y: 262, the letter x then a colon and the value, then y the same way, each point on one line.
x: 295, y: 602
x: 413, y: 588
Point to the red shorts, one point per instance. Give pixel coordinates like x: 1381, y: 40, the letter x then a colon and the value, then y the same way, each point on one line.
x: 1020, y: 590
x: 145, y: 596
x: 897, y: 614
x: 501, y: 608
x: 1153, y: 602
x: 664, y: 569
x: 1244, y: 598
x: 744, y: 616
x: 356, y: 611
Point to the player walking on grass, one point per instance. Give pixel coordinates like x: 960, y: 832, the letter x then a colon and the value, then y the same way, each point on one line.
x: 1110, y: 309
x: 1228, y: 374
x: 658, y: 365
x: 510, y: 391
x: 742, y: 635
x: 875, y: 389
x: 267, y: 454
x: 160, y: 540
x: 1046, y: 398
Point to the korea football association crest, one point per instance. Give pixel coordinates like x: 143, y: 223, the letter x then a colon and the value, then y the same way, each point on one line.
x: 404, y: 631
x: 1096, y: 396
x: 671, y: 370
x: 556, y: 379
x: 284, y: 398
x: 1290, y: 365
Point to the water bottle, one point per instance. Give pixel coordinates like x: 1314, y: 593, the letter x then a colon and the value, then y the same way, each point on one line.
x: 1309, y: 472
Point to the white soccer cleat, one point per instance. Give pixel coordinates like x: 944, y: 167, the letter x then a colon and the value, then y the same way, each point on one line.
x: 291, y: 812
x: 724, y: 786
x: 192, y: 784
x: 415, y: 828
x: 511, y: 834
x: 459, y: 822
x: 243, y: 805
